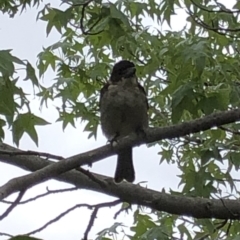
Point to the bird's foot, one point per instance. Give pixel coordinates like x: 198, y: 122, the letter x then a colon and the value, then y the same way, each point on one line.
x: 114, y: 141
x: 140, y: 131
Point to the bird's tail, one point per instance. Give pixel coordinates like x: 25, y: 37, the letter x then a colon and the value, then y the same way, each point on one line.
x: 125, y: 169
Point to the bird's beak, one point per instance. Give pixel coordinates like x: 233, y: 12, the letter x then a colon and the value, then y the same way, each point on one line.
x: 130, y: 72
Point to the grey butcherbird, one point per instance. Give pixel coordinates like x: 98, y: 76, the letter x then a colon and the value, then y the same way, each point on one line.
x: 123, y: 108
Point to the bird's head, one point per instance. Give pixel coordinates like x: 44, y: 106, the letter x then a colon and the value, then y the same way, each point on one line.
x: 123, y: 70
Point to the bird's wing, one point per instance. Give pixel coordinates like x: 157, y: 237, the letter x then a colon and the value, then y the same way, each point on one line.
x: 143, y: 90
x: 103, y: 90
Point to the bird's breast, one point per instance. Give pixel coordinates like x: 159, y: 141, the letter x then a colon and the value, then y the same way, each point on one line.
x: 123, y: 109
x: 124, y: 97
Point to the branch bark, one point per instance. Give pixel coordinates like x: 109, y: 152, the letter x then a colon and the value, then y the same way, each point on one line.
x: 196, y: 207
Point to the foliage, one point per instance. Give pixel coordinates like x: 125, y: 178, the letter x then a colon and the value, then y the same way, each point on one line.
x: 187, y: 73
x: 24, y: 238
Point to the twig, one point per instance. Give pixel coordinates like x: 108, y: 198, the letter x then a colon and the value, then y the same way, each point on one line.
x: 92, y: 177
x: 234, y: 214
x: 226, y: 180
x: 34, y: 153
x: 214, y: 11
x: 84, y: 6
x: 193, y: 139
x: 94, y: 215
x: 5, y: 234
x: 59, y: 217
x: 137, y: 58
x: 228, y: 228
x: 121, y: 210
x: 14, y: 204
x: 220, y: 225
x: 229, y: 130
x: 43, y: 195
x: 206, y: 26
x: 90, y: 224
x: 101, y: 205
x: 187, y: 220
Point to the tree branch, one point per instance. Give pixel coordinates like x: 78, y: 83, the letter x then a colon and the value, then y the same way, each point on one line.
x: 61, y: 215
x: 221, y: 9
x: 42, y: 195
x: 87, y: 32
x: 6, y: 234
x: 12, y: 206
x: 96, y: 207
x: 33, y: 153
x: 195, y: 207
x: 219, y: 30
x: 94, y: 215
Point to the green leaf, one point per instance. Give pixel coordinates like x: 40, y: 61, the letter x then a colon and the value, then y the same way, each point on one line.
x: 7, y: 91
x: 143, y: 223
x: 66, y: 118
x: 236, y: 5
x: 31, y: 74
x: 7, y: 63
x: 184, y: 109
x: 206, y: 156
x: 180, y: 93
x: 110, y: 230
x: 116, y: 13
x: 25, y: 123
x: 234, y: 158
x: 46, y: 59
x: 200, y: 64
x: 2, y: 124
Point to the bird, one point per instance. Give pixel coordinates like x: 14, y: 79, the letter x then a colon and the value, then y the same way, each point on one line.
x: 123, y: 110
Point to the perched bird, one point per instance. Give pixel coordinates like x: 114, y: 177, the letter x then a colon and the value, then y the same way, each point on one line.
x: 123, y: 109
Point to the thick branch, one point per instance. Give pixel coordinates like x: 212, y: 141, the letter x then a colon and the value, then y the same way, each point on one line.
x: 196, y: 207
x: 134, y: 194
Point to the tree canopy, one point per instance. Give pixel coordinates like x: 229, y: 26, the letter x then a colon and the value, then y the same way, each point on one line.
x: 192, y: 79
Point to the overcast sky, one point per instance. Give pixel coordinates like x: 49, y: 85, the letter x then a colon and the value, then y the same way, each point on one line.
x: 27, y: 37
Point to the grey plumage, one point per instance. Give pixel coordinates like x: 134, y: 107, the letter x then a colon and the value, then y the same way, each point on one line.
x: 123, y: 108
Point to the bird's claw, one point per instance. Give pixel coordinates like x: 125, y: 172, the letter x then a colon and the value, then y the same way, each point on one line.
x: 141, y: 132
x: 113, y: 141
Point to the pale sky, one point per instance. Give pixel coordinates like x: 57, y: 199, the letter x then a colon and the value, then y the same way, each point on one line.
x: 27, y: 37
